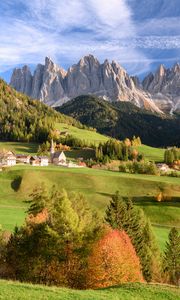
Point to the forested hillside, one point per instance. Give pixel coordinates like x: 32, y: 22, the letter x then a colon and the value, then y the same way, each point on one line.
x: 23, y: 119
x: 123, y: 119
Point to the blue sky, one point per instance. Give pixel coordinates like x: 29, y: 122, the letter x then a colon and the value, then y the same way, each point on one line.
x: 139, y: 34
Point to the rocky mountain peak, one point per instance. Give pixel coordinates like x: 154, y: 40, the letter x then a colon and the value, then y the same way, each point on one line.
x: 164, y: 87
x: 48, y: 62
x: 50, y: 66
x: 161, y: 71
x: 176, y: 68
x: 53, y: 85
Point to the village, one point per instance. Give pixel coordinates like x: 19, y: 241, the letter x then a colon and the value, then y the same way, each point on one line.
x: 58, y: 158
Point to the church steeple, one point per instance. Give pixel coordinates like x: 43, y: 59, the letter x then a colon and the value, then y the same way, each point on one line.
x: 52, y: 147
x: 52, y: 150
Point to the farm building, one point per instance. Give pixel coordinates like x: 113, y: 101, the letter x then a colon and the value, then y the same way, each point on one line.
x: 163, y: 167
x: 23, y: 158
x: 42, y: 161
x: 7, y: 158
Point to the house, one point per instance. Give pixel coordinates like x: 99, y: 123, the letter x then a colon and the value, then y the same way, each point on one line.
x: 34, y: 161
x: 23, y: 158
x: 163, y: 167
x: 42, y: 161
x: 7, y: 158
x: 74, y: 165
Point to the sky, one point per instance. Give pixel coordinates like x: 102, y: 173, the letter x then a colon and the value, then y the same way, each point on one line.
x: 139, y: 34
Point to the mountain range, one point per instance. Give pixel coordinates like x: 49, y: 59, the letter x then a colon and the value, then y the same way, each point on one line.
x: 159, y: 92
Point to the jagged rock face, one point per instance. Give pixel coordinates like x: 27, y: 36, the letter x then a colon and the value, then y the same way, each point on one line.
x: 164, y: 87
x: 22, y: 80
x: 53, y: 85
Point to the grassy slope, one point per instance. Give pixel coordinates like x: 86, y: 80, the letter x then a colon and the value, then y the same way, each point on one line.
x: 98, y: 186
x: 87, y: 135
x: 16, y: 291
x: 151, y: 153
x: 29, y: 148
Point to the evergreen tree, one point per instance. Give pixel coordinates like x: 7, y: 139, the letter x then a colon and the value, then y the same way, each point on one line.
x: 116, y: 213
x: 39, y: 200
x: 123, y: 215
x: 171, y: 261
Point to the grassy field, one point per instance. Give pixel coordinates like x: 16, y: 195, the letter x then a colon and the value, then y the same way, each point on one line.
x: 151, y: 153
x: 136, y: 291
x: 86, y: 135
x: 97, y: 185
x: 27, y: 148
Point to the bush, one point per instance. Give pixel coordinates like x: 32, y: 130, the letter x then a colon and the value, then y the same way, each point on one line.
x: 136, y: 167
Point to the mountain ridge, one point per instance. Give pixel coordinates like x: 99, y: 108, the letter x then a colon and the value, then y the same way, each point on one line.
x: 55, y: 86
x: 123, y: 119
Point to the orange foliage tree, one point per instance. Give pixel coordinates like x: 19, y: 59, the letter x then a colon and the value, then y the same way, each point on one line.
x: 113, y: 261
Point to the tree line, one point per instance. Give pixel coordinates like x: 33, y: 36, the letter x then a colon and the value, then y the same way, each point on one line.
x: 171, y: 155
x: 23, y: 119
x: 118, y: 150
x: 64, y: 242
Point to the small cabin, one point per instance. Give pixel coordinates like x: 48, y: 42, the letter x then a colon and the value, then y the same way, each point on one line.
x: 7, y: 158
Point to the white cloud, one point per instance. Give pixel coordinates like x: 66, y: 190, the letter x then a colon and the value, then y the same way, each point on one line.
x: 69, y: 29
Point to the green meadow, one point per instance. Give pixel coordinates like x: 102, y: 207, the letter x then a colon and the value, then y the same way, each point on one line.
x: 17, y: 147
x: 135, y: 291
x: 98, y: 186
x: 151, y: 153
x: 89, y: 136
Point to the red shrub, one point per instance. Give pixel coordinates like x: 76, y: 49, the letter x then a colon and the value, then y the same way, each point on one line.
x: 113, y: 261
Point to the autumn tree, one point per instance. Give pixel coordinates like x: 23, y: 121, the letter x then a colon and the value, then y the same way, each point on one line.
x: 113, y: 261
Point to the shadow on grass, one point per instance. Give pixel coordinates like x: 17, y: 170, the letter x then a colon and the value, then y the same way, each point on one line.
x: 27, y: 150
x: 104, y: 194
x: 149, y: 201
x: 15, y: 184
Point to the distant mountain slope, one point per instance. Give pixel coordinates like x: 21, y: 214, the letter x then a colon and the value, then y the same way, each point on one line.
x: 54, y: 86
x: 121, y: 120
x: 23, y: 119
x: 164, y: 87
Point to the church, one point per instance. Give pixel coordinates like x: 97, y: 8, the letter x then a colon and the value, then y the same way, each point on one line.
x: 57, y: 158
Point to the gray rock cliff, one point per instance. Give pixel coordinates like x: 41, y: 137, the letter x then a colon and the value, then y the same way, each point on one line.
x: 164, y: 86
x: 53, y: 85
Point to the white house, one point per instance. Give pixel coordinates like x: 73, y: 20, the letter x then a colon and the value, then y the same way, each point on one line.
x: 7, y: 158
x: 23, y: 158
x: 42, y: 161
x: 163, y: 167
